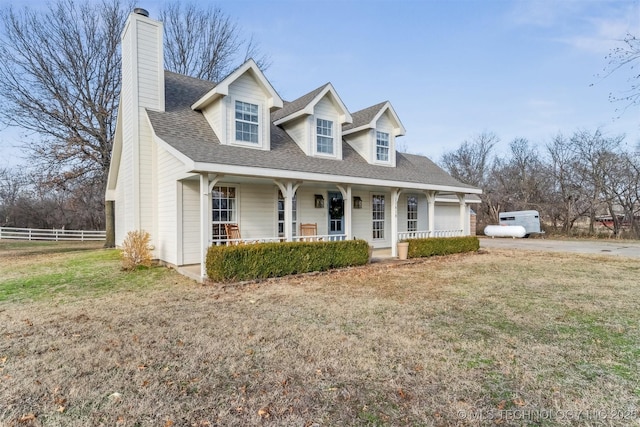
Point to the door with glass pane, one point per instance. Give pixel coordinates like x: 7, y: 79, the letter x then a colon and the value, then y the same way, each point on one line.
x: 336, y: 213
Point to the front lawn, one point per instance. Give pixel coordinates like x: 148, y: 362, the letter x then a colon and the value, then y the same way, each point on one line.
x: 474, y: 339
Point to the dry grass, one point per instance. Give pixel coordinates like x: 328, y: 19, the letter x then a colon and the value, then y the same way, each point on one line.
x: 460, y: 340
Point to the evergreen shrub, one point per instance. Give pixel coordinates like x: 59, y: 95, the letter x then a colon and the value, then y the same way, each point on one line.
x: 419, y: 248
x: 264, y: 260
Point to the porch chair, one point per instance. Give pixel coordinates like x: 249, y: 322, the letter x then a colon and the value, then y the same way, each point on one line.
x: 308, y: 230
x: 233, y: 232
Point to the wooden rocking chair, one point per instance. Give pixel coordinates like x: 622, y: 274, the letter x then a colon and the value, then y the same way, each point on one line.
x: 233, y: 233
x: 308, y: 230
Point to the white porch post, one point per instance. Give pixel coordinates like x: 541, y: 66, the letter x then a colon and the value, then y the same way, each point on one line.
x: 288, y: 190
x: 346, y: 199
x: 395, y: 195
x: 463, y: 211
x: 206, y: 186
x: 205, y: 234
x: 431, y: 211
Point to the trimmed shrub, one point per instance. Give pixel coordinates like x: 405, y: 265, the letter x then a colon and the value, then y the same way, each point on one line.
x: 419, y: 248
x: 264, y: 260
x: 136, y: 250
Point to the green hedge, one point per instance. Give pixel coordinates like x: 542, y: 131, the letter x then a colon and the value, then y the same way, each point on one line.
x: 419, y: 248
x: 263, y: 260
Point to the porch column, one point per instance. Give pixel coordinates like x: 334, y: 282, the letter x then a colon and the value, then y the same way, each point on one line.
x: 395, y: 196
x: 346, y: 199
x: 288, y: 190
x: 431, y: 211
x: 463, y: 211
x: 205, y: 223
x: 206, y: 186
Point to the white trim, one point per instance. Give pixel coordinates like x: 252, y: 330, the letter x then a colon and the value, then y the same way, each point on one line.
x: 399, y: 130
x: 222, y: 88
x: 334, y: 131
x: 261, y: 123
x: 308, y: 109
x: 321, y: 177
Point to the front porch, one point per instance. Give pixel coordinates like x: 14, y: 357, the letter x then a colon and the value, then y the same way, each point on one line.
x: 275, y: 210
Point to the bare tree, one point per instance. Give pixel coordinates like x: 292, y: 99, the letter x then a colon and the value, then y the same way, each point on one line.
x: 626, y: 56
x: 597, y: 161
x: 522, y: 178
x: 204, y: 43
x: 60, y: 79
x: 472, y: 164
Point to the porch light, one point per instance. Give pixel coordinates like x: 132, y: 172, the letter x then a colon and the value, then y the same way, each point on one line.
x: 319, y: 200
x: 357, y: 202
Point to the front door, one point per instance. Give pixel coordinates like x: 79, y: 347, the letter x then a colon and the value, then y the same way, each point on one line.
x: 336, y: 213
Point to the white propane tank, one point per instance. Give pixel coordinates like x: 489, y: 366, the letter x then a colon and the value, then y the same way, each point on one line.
x: 505, y: 231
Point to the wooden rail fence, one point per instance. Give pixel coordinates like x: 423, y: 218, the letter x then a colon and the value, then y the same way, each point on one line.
x: 51, y: 234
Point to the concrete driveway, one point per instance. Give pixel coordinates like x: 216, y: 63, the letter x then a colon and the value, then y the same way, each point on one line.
x: 623, y: 248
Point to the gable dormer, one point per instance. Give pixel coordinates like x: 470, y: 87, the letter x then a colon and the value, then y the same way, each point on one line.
x: 373, y: 134
x: 314, y: 121
x: 239, y: 108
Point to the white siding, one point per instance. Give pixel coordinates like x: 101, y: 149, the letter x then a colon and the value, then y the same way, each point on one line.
x: 402, y: 212
x: 190, y: 222
x: 166, y: 240
x: 300, y: 130
x: 361, y: 142
x: 257, y: 205
x: 447, y: 216
x: 213, y: 115
x: 245, y: 88
x: 147, y: 202
x: 150, y: 74
x: 308, y: 213
x: 361, y: 218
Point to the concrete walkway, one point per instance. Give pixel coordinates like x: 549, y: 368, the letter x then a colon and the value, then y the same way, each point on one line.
x: 624, y: 248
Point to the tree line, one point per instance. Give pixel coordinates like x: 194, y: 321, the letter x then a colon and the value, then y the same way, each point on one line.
x: 570, y: 180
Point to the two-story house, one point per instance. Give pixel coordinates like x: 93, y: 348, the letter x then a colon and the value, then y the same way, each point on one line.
x: 191, y: 155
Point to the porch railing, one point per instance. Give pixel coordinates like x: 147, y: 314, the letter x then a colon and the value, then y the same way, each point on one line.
x: 318, y: 238
x: 425, y: 234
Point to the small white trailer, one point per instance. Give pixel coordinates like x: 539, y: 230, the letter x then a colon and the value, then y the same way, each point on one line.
x: 530, y: 220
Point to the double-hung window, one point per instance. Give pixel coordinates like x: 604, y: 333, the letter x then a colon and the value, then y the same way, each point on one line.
x: 246, y: 122
x: 412, y: 213
x: 324, y: 135
x: 224, y: 210
x: 378, y: 216
x: 294, y: 219
x: 382, y: 146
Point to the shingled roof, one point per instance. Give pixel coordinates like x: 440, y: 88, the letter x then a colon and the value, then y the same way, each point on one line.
x: 297, y: 105
x: 364, y: 117
x: 188, y: 132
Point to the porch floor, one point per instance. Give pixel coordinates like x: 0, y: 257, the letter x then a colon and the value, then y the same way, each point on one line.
x: 192, y: 271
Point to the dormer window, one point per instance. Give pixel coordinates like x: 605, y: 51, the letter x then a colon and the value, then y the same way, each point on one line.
x: 324, y: 135
x: 246, y: 122
x: 382, y: 146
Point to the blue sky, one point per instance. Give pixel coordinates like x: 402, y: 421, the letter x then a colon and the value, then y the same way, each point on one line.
x: 451, y: 69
